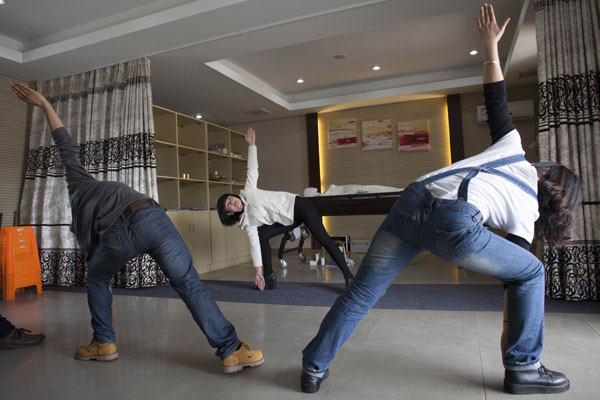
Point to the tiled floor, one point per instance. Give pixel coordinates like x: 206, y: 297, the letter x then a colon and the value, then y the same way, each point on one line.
x: 393, y: 354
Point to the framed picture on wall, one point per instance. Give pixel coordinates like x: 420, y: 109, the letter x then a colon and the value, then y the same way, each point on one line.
x: 342, y: 133
x: 413, y: 136
x: 377, y: 134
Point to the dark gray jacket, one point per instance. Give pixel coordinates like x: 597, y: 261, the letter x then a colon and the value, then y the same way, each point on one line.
x: 95, y: 205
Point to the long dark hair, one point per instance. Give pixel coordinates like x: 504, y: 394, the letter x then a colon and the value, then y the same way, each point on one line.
x: 559, y: 194
x: 227, y: 220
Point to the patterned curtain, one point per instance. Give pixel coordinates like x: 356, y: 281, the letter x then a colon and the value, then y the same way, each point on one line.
x: 568, y: 42
x: 108, y: 112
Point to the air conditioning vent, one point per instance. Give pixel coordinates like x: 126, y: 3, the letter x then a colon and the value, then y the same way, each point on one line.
x: 518, y: 110
x: 258, y: 112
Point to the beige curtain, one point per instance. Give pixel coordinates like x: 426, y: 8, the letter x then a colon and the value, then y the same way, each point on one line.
x: 568, y: 41
x: 108, y: 112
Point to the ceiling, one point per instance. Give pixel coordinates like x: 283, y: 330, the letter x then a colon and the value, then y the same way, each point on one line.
x: 237, y: 61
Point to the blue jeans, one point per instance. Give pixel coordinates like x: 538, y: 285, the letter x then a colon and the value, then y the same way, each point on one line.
x: 452, y: 230
x: 149, y: 230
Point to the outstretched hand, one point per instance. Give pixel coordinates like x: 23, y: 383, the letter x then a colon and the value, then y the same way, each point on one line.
x: 250, y: 136
x: 27, y: 94
x: 489, y: 29
x: 259, y: 281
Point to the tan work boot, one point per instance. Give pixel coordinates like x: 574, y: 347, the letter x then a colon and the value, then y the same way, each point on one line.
x: 242, y: 357
x: 97, y: 351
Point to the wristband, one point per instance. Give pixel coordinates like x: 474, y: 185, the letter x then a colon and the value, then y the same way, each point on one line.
x: 491, y: 62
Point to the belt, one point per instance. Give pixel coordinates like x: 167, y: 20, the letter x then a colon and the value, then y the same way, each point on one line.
x: 136, y: 205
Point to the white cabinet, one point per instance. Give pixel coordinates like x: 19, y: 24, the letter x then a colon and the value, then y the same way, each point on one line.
x: 194, y: 228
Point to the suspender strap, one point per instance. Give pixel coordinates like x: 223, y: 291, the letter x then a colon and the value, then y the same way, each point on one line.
x: 463, y: 189
x: 489, y: 167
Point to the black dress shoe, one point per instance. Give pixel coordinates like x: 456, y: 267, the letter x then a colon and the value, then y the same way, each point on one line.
x: 311, y: 383
x: 540, y: 380
x: 20, y: 338
x: 271, y: 281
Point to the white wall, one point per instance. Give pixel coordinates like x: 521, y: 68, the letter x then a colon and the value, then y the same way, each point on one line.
x: 476, y: 136
x: 282, y: 154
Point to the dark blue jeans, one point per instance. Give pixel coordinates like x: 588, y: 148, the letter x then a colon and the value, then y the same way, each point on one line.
x: 149, y: 230
x: 452, y: 230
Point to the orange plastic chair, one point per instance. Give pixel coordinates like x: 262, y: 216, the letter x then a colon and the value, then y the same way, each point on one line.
x: 19, y: 260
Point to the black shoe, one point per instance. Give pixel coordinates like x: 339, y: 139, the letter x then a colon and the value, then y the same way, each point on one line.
x: 348, y: 282
x: 540, y: 380
x: 20, y: 338
x: 311, y: 383
x: 271, y: 281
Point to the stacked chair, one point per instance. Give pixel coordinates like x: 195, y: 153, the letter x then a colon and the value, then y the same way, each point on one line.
x: 19, y: 260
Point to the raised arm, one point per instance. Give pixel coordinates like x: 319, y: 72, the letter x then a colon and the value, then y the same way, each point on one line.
x: 494, y: 88
x: 252, y: 175
x: 30, y: 96
x: 69, y: 156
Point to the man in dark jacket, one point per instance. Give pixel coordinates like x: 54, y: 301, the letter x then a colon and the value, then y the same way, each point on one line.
x: 114, y: 223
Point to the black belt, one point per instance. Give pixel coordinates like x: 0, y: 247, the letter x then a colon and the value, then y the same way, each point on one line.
x: 136, y: 205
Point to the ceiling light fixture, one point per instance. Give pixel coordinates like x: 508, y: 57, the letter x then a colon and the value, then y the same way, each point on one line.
x: 375, y: 67
x: 198, y: 116
x: 299, y: 80
x: 473, y: 52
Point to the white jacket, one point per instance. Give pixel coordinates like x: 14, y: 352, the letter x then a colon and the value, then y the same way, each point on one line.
x: 262, y: 207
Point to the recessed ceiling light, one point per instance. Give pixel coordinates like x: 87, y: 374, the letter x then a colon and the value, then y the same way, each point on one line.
x: 198, y: 116
x: 375, y: 67
x: 299, y: 80
x: 473, y: 52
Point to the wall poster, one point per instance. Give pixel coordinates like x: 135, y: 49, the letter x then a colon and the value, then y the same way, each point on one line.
x: 413, y: 136
x: 342, y: 133
x: 377, y: 134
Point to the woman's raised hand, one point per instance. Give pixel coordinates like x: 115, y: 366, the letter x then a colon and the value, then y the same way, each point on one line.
x: 487, y: 25
x: 250, y: 136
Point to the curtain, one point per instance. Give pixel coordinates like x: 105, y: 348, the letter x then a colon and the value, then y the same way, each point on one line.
x: 108, y: 112
x: 568, y: 42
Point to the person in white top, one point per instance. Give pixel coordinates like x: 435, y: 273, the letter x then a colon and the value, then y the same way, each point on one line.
x: 447, y: 212
x: 264, y: 214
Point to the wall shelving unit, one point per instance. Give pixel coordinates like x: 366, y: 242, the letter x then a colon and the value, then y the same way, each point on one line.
x: 197, y: 162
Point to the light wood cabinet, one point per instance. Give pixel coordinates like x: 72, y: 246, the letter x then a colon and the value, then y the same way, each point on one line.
x: 197, y: 162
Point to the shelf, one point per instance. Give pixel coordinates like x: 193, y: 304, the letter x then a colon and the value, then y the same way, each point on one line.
x: 212, y: 153
x: 185, y: 146
x: 193, y: 194
x: 163, y: 143
x: 168, y: 193
x: 192, y: 162
x: 191, y: 132
x: 192, y: 180
x: 239, y: 145
x: 166, y: 159
x: 192, y: 148
x: 164, y: 125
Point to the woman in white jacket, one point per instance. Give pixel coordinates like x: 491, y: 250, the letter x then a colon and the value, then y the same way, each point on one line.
x: 264, y: 214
